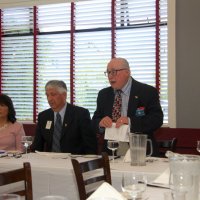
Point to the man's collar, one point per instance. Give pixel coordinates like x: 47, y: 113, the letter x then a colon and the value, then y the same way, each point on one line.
x: 127, y: 87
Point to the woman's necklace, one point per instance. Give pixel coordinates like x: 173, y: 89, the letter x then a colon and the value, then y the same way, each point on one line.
x: 4, y: 126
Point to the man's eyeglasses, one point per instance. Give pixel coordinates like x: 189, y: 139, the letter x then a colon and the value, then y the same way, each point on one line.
x: 113, y: 72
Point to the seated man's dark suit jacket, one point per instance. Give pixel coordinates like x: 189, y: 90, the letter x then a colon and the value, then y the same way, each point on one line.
x: 77, y: 134
x: 141, y: 95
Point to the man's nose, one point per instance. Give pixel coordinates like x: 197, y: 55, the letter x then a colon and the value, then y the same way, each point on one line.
x: 49, y: 98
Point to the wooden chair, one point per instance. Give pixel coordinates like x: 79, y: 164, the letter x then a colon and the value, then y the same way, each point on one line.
x: 91, y: 174
x: 18, y: 175
x: 166, y: 145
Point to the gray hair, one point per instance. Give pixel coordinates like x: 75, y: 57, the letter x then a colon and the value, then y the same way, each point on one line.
x: 125, y: 62
x: 120, y: 61
x: 59, y: 85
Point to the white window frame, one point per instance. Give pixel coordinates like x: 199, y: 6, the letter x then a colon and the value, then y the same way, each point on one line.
x: 171, y: 64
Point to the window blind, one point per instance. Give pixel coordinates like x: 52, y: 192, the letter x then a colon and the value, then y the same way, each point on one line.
x: 92, y: 50
x: 19, y: 3
x: 17, y: 60
x: 135, y: 40
x: 96, y: 37
x: 53, y: 49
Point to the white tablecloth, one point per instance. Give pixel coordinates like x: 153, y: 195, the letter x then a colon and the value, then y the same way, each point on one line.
x: 55, y: 175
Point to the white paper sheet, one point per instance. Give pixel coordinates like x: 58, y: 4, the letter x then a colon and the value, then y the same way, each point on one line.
x: 127, y: 157
x: 162, y: 180
x: 121, y: 134
x: 106, y: 190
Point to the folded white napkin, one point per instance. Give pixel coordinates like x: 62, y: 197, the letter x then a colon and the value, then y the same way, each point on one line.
x: 106, y: 190
x: 162, y: 180
x: 127, y: 157
x: 121, y: 134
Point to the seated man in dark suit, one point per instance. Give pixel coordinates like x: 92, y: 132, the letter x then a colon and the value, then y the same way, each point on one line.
x: 139, y: 104
x: 64, y: 127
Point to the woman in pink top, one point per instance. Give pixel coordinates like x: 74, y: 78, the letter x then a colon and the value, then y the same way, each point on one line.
x: 11, y: 131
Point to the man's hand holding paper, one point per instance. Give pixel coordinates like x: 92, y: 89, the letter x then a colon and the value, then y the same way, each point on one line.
x: 119, y: 134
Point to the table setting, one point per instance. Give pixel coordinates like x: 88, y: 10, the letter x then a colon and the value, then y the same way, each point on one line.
x: 106, y: 191
x: 52, y: 174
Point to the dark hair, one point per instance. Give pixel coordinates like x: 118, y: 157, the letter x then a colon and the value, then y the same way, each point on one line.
x: 6, y: 100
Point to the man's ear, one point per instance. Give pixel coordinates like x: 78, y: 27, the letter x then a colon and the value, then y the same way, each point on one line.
x: 128, y: 72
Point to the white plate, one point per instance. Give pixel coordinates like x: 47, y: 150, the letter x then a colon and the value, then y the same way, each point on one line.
x: 90, y: 156
x: 84, y: 156
x: 53, y: 154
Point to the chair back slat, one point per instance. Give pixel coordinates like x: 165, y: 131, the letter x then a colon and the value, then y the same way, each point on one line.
x: 91, y: 174
x: 17, y: 175
x: 95, y: 179
x: 12, y: 176
x: 91, y: 165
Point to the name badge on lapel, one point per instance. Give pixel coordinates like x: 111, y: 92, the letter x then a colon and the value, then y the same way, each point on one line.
x: 140, y: 112
x: 48, y: 125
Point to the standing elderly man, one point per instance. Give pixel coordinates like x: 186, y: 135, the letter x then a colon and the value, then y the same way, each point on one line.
x: 64, y: 127
x: 139, y: 103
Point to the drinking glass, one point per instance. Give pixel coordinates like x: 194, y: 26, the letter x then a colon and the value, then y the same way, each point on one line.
x: 134, y: 185
x: 198, y: 146
x: 27, y: 141
x: 9, y: 197
x: 113, y: 145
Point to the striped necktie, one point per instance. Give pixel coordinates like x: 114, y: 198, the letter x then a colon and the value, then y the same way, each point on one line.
x: 57, y: 134
x: 116, y: 112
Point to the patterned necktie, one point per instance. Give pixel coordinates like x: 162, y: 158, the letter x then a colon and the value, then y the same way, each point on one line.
x: 57, y: 134
x: 116, y: 112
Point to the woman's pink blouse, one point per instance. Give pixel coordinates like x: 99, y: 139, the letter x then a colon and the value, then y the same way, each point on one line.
x: 10, y: 137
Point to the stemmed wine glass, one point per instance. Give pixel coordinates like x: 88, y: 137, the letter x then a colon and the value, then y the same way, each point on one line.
x: 27, y: 141
x: 198, y: 146
x: 113, y: 145
x: 133, y: 185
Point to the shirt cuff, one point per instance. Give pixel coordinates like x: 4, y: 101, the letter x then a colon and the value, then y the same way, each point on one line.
x: 129, y: 121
